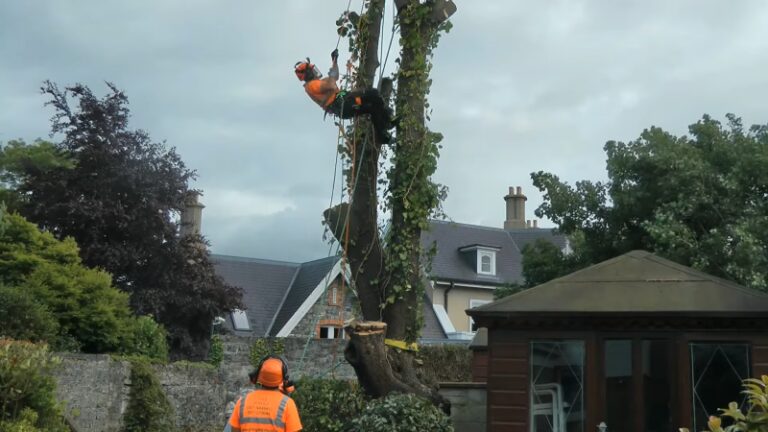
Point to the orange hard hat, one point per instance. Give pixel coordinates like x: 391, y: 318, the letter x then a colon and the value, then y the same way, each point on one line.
x: 306, y: 70
x: 271, y: 373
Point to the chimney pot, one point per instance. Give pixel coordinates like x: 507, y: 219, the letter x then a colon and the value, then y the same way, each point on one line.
x: 535, y: 223
x: 528, y: 223
x: 515, y: 202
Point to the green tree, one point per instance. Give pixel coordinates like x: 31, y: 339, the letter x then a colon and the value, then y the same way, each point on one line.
x: 120, y: 199
x: 19, y: 161
x: 44, y: 278
x: 700, y: 200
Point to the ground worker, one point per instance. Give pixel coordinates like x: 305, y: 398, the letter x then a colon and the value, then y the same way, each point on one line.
x: 345, y: 104
x: 268, y: 408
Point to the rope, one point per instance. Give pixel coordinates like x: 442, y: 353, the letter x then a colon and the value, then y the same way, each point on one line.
x: 391, y: 38
x: 346, y: 14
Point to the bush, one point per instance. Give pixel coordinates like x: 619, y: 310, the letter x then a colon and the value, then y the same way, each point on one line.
x: 261, y: 347
x: 755, y: 419
x: 24, y: 318
x: 444, y: 363
x: 148, y: 338
x: 28, y: 387
x: 148, y: 407
x: 85, y: 304
x: 327, y: 405
x: 216, y: 352
x: 402, y: 413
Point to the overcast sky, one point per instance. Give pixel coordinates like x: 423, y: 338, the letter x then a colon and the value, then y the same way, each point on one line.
x: 519, y: 86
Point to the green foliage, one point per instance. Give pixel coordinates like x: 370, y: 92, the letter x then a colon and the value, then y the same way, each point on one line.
x: 118, y: 194
x: 260, y: 348
x: 444, y: 363
x: 22, y: 317
x: 27, y: 387
x: 327, y: 405
x: 755, y: 419
x: 17, y: 158
x: 402, y: 413
x: 698, y: 200
x: 38, y: 268
x: 148, y: 408
x: 25, y: 423
x: 149, y: 339
x: 216, y: 353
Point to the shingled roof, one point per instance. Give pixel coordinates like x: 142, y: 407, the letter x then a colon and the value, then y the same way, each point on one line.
x: 266, y: 287
x: 636, y: 282
x: 449, y: 264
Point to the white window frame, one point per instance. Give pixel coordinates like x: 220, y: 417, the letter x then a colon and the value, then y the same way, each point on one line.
x: 240, y: 320
x: 473, y: 303
x: 486, y: 253
x: 330, y: 332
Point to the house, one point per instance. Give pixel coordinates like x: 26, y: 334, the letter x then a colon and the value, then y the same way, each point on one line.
x: 637, y: 343
x: 286, y: 298
x: 471, y: 261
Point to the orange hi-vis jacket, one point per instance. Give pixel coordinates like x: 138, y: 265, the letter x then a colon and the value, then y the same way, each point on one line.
x: 264, y: 411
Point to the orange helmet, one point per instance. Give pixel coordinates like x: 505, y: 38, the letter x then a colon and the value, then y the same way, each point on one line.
x: 271, y: 372
x: 306, y: 71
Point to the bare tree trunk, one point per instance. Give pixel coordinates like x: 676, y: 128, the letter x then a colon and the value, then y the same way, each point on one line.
x: 380, y: 369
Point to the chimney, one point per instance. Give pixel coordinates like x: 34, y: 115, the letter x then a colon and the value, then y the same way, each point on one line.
x: 515, y: 208
x: 191, y: 216
x: 535, y: 223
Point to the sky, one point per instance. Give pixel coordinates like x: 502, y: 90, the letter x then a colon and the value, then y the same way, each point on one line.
x: 518, y: 87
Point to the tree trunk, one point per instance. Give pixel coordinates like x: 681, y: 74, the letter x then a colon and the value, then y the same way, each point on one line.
x: 380, y: 369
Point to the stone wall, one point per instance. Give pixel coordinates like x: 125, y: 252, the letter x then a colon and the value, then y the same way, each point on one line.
x: 468, y: 405
x: 95, y: 389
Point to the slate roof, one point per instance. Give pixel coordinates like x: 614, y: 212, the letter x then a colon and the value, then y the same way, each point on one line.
x: 265, y: 284
x: 450, y: 264
x: 432, y: 330
x: 636, y: 282
x: 309, y: 276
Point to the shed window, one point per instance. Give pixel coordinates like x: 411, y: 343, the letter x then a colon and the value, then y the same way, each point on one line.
x: 717, y: 371
x: 557, y: 386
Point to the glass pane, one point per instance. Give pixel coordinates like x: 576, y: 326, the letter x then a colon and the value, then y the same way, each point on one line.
x: 618, y: 385
x: 656, y: 386
x: 717, y: 371
x: 240, y: 320
x: 557, y: 389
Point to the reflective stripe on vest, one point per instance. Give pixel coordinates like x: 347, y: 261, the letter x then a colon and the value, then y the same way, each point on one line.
x: 276, y: 422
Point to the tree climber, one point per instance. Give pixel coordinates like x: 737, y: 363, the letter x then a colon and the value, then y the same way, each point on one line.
x: 345, y: 104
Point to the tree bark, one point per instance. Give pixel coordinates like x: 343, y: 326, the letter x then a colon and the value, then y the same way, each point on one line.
x: 380, y: 369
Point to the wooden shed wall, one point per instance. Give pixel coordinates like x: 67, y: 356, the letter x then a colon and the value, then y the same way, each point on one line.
x: 479, y: 365
x: 508, y: 382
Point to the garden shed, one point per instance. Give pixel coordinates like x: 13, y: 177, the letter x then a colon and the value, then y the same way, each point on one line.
x: 637, y: 343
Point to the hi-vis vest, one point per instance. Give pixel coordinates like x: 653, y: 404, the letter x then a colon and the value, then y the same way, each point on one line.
x: 264, y: 411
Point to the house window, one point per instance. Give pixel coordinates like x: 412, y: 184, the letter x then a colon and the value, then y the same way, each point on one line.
x: 486, y: 262
x: 717, y: 371
x: 475, y: 303
x: 331, y: 332
x: 240, y: 320
x: 557, y: 389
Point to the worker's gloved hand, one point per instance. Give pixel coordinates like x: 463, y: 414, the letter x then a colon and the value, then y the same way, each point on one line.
x: 335, y: 54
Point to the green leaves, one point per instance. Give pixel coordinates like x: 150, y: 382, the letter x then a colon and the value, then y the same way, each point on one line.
x: 700, y: 200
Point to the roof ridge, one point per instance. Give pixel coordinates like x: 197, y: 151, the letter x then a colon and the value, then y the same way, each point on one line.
x: 490, y: 228
x: 329, y: 257
x: 254, y: 260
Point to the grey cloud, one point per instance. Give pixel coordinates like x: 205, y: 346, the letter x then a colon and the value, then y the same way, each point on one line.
x: 518, y: 87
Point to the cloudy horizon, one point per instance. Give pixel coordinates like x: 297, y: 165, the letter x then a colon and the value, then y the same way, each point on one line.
x: 517, y: 87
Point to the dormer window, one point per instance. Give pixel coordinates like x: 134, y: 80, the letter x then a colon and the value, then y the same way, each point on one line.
x: 483, y: 258
x: 486, y: 262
